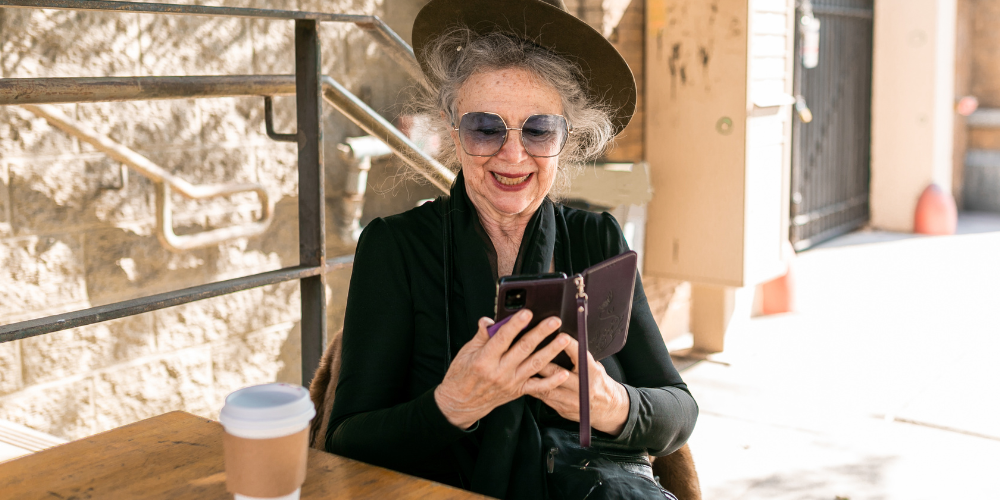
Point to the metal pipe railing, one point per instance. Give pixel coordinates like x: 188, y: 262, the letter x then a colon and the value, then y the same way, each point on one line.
x: 107, y: 312
x: 165, y: 184
x: 22, y: 91
x: 358, y: 152
x: 375, y: 125
x: 140, y: 88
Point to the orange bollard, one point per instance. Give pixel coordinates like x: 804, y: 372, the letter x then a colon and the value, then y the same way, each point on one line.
x: 779, y: 293
x: 936, y: 213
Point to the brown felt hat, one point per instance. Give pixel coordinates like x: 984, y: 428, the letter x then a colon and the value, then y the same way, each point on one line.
x: 548, y: 24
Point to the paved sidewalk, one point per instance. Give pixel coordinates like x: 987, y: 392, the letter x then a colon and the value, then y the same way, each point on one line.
x: 884, y: 385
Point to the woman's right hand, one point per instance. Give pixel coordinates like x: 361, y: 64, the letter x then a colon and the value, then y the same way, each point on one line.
x: 488, y: 372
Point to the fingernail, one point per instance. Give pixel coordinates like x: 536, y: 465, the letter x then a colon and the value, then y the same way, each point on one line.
x: 524, y: 313
x: 553, y: 322
x: 484, y: 322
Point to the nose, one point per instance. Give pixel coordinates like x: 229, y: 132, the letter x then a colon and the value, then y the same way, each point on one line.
x: 512, y: 150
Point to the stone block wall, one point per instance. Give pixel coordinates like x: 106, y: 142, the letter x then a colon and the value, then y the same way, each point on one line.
x: 78, y: 230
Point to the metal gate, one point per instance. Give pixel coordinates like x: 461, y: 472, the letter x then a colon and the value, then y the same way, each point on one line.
x: 830, y: 154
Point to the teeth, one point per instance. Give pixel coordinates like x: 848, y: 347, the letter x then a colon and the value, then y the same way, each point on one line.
x: 510, y: 181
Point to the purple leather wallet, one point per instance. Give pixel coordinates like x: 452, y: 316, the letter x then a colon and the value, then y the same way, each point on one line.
x: 595, y: 307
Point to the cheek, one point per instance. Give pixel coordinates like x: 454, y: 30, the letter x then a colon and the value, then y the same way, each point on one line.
x: 472, y: 166
x: 548, y: 168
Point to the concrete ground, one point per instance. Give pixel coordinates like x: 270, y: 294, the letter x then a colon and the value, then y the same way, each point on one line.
x: 884, y: 385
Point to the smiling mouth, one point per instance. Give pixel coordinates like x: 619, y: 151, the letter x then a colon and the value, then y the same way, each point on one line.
x: 509, y: 181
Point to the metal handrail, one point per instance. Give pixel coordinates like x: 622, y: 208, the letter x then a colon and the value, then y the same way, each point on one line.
x: 165, y: 184
x: 375, y: 125
x: 20, y: 91
x: 41, y: 326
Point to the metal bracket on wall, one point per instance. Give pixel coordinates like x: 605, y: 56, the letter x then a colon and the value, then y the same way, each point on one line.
x: 269, y: 123
x: 166, y: 183
x: 358, y: 152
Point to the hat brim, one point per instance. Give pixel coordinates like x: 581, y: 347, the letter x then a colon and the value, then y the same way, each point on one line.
x: 609, y: 79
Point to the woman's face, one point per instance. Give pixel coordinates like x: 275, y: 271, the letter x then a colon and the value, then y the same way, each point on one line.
x: 510, y: 182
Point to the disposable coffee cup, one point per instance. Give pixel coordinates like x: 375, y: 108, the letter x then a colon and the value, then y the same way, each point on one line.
x: 266, y: 442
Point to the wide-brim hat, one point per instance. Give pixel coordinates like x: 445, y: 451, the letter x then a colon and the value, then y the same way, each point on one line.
x: 548, y: 24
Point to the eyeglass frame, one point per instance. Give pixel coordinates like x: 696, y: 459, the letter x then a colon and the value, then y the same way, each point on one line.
x: 569, y: 130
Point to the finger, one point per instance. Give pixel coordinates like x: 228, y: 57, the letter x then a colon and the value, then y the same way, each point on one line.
x: 501, y: 340
x: 563, y: 401
x: 571, y: 385
x: 540, y: 387
x: 573, y: 351
x: 539, y: 360
x: 492, y: 329
x: 529, y: 342
x: 482, y: 336
x: 595, y: 367
x: 549, y: 369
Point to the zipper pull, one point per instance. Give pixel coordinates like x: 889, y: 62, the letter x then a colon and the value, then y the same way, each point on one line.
x: 550, y: 462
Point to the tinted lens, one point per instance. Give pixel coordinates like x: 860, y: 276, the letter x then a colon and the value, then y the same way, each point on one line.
x: 482, y: 134
x: 544, y: 135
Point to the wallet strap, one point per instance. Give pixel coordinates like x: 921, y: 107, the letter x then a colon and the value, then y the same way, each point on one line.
x: 584, y: 370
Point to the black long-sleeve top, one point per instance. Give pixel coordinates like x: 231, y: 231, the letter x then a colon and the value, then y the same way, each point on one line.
x: 397, y: 348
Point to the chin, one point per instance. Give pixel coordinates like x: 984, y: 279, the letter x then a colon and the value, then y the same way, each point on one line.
x: 510, y: 205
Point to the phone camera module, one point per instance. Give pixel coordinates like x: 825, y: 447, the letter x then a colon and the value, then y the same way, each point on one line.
x: 515, y: 299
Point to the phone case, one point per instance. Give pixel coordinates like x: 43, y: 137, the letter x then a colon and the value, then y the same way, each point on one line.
x: 610, y: 286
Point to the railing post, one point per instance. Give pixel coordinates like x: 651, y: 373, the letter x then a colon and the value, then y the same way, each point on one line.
x: 312, y: 241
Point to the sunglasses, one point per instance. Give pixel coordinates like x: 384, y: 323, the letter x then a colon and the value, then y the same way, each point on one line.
x: 484, y: 134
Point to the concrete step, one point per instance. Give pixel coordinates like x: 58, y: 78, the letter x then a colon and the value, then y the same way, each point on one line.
x: 17, y: 440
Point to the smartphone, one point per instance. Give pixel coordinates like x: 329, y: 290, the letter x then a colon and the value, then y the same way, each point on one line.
x: 544, y: 295
x: 609, y: 285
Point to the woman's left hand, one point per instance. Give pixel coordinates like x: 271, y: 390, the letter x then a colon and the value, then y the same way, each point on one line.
x: 609, y: 402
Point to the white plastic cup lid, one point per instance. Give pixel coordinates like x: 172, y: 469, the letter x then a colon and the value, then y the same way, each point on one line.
x: 268, y: 406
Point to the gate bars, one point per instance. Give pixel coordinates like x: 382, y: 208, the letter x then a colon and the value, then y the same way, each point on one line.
x: 831, y: 154
x: 310, y: 88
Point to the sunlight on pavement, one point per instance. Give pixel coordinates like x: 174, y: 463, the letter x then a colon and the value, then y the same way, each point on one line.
x: 884, y: 384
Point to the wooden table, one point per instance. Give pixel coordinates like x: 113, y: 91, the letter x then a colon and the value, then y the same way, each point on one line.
x: 179, y: 455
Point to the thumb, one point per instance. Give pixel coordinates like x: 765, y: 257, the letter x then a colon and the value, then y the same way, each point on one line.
x: 482, y: 336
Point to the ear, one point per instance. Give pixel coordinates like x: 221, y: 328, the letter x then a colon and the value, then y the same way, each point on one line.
x: 453, y: 132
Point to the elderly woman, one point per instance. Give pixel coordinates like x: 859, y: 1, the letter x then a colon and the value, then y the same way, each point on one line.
x: 527, y: 91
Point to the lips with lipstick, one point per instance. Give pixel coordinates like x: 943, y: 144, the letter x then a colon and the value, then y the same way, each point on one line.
x: 507, y: 180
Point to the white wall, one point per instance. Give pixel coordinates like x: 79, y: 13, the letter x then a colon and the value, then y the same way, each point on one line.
x: 913, y: 92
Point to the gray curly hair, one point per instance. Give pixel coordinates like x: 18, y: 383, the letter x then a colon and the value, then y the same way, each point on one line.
x: 456, y: 55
